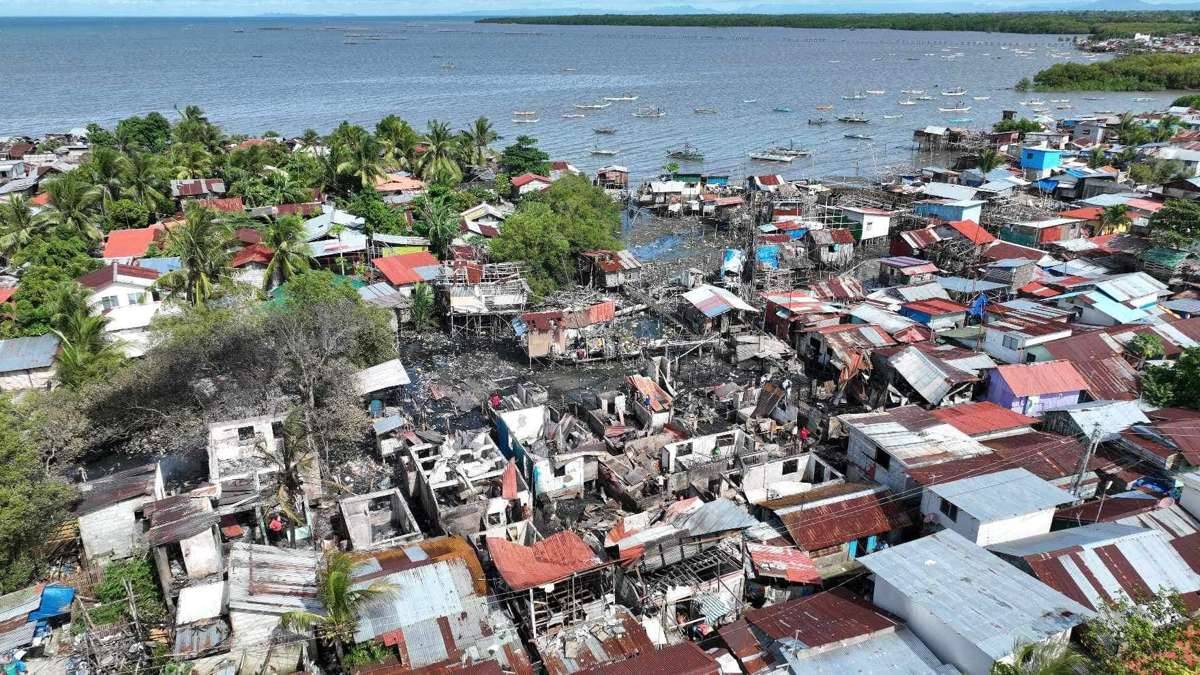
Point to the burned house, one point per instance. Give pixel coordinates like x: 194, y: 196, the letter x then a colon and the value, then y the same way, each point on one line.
x: 609, y: 270
x: 465, y: 486
x: 577, y: 335
x: 556, y: 451
x: 789, y: 313
x: 186, y: 542
x: 479, y: 298
x: 378, y: 520
x: 265, y: 583
x: 613, y: 637
x: 912, y: 374
x: 109, y: 526
x: 551, y: 584
x: 652, y: 404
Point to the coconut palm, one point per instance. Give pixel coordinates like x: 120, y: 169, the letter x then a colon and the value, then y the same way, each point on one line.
x: 1166, y: 128
x: 18, y: 225
x: 400, y: 142
x: 439, y: 162
x: 439, y: 223
x: 289, y: 250
x: 144, y: 181
x: 479, y: 137
x: 106, y: 169
x: 281, y: 188
x: 362, y: 155
x: 341, y: 603
x: 1097, y: 158
x: 310, y: 138
x: 293, y: 459
x: 1043, y: 658
x: 990, y: 160
x: 1114, y: 218
x: 86, y: 352
x: 74, y: 206
x: 200, y: 241
x: 194, y: 128
x: 191, y: 160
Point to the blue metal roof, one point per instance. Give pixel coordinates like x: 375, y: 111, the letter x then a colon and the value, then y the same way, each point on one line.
x: 28, y: 353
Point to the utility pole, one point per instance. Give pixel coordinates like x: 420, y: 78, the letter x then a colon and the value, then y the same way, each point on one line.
x: 1085, y: 459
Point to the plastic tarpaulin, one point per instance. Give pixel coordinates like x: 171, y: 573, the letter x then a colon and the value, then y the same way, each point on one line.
x: 768, y: 256
x: 56, y: 600
x: 733, y: 261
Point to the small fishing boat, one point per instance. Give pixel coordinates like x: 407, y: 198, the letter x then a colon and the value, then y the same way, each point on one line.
x: 607, y: 131
x: 1140, y: 99
x: 1033, y: 102
x: 568, y: 70
x: 1096, y: 98
x: 573, y: 116
x: 789, y: 150
x: 650, y: 111
x: 825, y: 106
x: 853, y: 119
x: 687, y: 153
x: 768, y: 156
x: 858, y: 137
x: 818, y: 121
x: 955, y: 92
x: 854, y: 97
x: 603, y: 152
x: 960, y: 120
x: 705, y: 111
x: 526, y: 120
x: 912, y: 92
x: 622, y: 97
x: 957, y: 108
x: 876, y: 92
x: 1060, y: 100
x: 524, y: 113
x: 907, y: 101
x: 782, y: 109
x: 1103, y: 112
x: 892, y: 117
x: 980, y: 98
x: 750, y: 100
x: 591, y: 106
x: 924, y: 98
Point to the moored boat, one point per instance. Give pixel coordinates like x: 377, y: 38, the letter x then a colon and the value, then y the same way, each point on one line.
x: 686, y: 152
x: 649, y: 111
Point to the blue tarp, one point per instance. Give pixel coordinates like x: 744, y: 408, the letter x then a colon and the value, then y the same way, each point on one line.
x: 1046, y: 185
x: 768, y: 255
x: 733, y: 261
x: 56, y: 601
x: 797, y: 234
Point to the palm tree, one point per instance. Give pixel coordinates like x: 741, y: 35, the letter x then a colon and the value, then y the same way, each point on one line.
x: 439, y: 162
x: 1166, y: 127
x: 989, y: 160
x: 440, y: 224
x: 282, y: 189
x: 1097, y: 158
x: 342, y: 603
x: 289, y: 250
x: 73, y: 206
x: 86, y: 353
x: 362, y: 155
x: 18, y: 225
x: 200, y: 241
x: 106, y: 169
x: 293, y: 459
x: 400, y: 142
x: 1043, y: 658
x: 479, y: 137
x: 1113, y: 218
x: 144, y: 181
x: 422, y: 306
x: 310, y: 138
x: 194, y: 127
x: 191, y: 160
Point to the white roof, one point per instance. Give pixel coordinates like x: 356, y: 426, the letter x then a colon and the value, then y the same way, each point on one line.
x: 1131, y: 286
x: 379, y: 377
x: 983, y: 599
x: 1003, y: 494
x: 197, y: 603
x: 668, y: 186
x: 914, y: 437
x: 891, y: 652
x: 949, y: 191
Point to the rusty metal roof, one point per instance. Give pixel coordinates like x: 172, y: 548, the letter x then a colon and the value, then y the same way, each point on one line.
x: 552, y: 559
x: 783, y: 562
x: 843, y: 519
x: 982, y: 417
x: 615, y: 636
x: 177, y: 518
x: 121, y: 486
x: 681, y: 659
x: 821, y: 619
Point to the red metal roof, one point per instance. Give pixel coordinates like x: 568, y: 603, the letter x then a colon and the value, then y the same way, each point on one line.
x: 821, y: 619
x: 254, y: 253
x: 1109, y: 509
x: 1085, y: 213
x: 972, y: 231
x: 844, y: 521
x: 1005, y: 250
x: 6, y: 294
x: 247, y: 235
x: 303, y: 209
x: 400, y: 270
x: 1188, y: 547
x: 508, y: 481
x: 841, y: 236
x: 1172, y: 431
x: 783, y: 562
x: 225, y: 204
x: 1047, y: 377
x: 684, y: 658
x: 982, y: 417
x: 108, y: 274
x: 1038, y: 290
x: 41, y: 199
x: 770, y: 179
x: 1109, y: 379
x: 552, y: 559
x: 132, y: 243
x: 935, y: 307
x: 527, y: 178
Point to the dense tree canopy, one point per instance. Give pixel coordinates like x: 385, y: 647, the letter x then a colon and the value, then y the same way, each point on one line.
x: 524, y: 156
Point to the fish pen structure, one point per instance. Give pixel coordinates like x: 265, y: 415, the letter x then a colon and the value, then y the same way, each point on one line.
x: 481, y: 299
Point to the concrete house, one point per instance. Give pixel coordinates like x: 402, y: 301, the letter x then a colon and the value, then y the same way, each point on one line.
x: 867, y: 223
x: 378, y: 520
x: 969, y: 607
x: 994, y: 507
x: 109, y: 525
x: 185, y: 540
x: 28, y: 362
x: 1012, y: 340
x: 1031, y: 388
x: 118, y: 285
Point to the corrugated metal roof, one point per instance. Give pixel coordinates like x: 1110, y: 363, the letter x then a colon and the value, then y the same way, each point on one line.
x: 28, y: 353
x: 1111, y: 378
x: 783, y: 562
x: 963, y: 285
x: 928, y: 376
x: 1126, y: 287
x: 1003, y: 494
x: 20, y: 603
x: 843, y: 518
x: 19, y: 636
x: 379, y: 377
x: 980, y: 418
x: 272, y: 580
x: 713, y: 301
x: 1046, y: 377
x: 684, y: 658
x: 552, y: 559
x: 893, y: 652
x: 719, y: 515
x: 887, y: 320
x: 913, y: 436
x: 613, y: 637
x: 948, y: 191
x: 1105, y: 562
x: 982, y: 599
x: 820, y: 619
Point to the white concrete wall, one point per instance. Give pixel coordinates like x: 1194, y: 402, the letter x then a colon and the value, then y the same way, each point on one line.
x: 941, y: 638
x: 201, y: 555
x: 1190, y: 497
x: 121, y: 291
x: 875, y: 226
x: 111, y: 533
x: 20, y: 380
x: 861, y: 454
x: 1017, y: 527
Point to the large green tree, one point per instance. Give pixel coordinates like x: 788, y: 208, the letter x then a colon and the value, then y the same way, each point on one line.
x: 289, y: 250
x: 1176, y: 224
x: 74, y: 206
x: 524, y: 156
x: 200, y: 242
x: 532, y: 236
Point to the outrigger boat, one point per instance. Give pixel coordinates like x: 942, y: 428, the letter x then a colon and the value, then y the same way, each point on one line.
x: 526, y: 120
x: 524, y: 113
x: 906, y: 101
x: 687, y: 152
x: 602, y: 151
x: 705, y: 111
x: 858, y: 137
x: 876, y: 92
x: 592, y: 106
x: 825, y: 106
x: 958, y: 108
x: 768, y: 156
x: 853, y: 119
x: 955, y: 92
x: 892, y: 117
x: 650, y: 112
x: 782, y: 109
x: 573, y: 116
x: 817, y: 121
x: 622, y: 97
x: 608, y: 131
x: 789, y: 150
